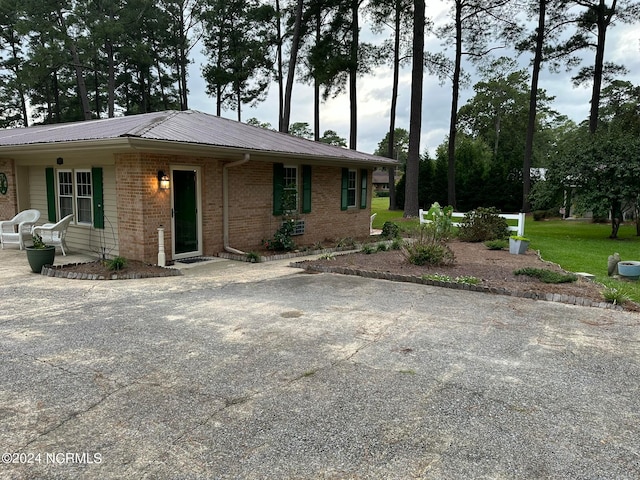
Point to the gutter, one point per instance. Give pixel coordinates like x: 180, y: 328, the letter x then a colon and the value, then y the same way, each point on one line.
x: 225, y: 202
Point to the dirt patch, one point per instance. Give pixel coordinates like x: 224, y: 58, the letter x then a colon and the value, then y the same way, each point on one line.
x: 494, y: 269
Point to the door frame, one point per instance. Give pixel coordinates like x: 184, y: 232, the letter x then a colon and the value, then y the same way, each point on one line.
x: 198, y: 171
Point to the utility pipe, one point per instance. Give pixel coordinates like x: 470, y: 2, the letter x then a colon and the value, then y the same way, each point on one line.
x: 225, y: 202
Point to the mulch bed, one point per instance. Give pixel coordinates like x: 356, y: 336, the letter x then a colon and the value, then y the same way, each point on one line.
x: 494, y: 268
x: 98, y: 271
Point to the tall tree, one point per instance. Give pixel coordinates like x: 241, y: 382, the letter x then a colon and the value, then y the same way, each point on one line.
x: 474, y: 24
x: 395, y: 15
x: 411, y: 205
x: 593, y: 22
x: 13, y: 87
x: 239, y: 61
x: 296, y: 40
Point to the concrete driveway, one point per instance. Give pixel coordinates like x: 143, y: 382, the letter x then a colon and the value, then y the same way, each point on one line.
x: 240, y: 371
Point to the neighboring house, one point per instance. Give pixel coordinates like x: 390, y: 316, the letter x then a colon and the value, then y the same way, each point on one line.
x: 380, y: 180
x: 225, y: 184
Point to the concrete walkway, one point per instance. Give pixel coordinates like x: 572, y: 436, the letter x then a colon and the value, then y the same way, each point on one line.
x: 259, y: 371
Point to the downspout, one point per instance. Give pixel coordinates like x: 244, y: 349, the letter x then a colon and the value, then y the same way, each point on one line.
x: 225, y: 202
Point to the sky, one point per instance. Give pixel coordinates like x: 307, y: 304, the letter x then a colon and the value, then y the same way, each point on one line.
x: 374, y: 92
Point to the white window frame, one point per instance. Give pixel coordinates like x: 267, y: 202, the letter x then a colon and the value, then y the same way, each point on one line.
x: 352, y: 188
x: 81, y: 192
x: 292, y: 172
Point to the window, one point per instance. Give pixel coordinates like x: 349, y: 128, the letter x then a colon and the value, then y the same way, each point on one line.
x: 351, y: 188
x: 75, y: 195
x: 352, y: 191
x: 290, y: 189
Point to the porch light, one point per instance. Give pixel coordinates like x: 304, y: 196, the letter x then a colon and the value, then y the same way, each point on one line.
x: 163, y: 180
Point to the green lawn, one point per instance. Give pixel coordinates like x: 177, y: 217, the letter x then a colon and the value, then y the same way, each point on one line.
x: 577, y: 246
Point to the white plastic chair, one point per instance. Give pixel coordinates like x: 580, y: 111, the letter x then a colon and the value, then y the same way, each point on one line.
x: 18, y: 229
x: 371, y: 223
x: 54, y: 233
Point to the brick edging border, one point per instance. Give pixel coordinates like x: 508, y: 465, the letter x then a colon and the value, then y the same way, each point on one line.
x: 59, y: 272
x: 549, y: 297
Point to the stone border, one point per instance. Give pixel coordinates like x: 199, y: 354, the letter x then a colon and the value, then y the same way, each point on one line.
x: 285, y: 256
x: 549, y: 297
x: 58, y: 271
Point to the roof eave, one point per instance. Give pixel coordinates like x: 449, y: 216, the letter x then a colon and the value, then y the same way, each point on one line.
x: 127, y: 143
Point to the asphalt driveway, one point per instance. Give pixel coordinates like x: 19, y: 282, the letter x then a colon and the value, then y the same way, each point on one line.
x: 240, y: 371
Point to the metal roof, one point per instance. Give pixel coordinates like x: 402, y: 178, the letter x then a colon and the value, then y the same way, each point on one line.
x: 183, y: 127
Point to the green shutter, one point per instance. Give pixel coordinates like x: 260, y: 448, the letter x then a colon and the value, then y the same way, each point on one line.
x: 51, y: 193
x: 306, y: 188
x: 278, y: 179
x: 98, y: 197
x: 345, y: 188
x: 364, y: 183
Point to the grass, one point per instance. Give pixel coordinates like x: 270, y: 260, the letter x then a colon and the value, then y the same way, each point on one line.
x: 577, y: 246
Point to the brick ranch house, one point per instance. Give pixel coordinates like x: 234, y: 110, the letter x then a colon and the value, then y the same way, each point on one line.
x: 226, y: 182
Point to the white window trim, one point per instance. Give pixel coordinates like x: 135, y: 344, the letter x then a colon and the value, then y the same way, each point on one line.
x: 353, y: 189
x: 286, y: 188
x: 74, y: 195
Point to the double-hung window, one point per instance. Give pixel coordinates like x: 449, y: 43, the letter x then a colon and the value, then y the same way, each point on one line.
x: 290, y: 189
x: 352, y: 191
x: 75, y: 195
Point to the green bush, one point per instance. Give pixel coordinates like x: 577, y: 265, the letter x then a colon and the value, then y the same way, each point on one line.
x: 117, y: 263
x: 434, y: 254
x: 483, y: 224
x: 282, y: 241
x: 427, y: 248
x: 390, y: 230
x: 546, y: 276
x: 367, y: 249
x: 496, y: 244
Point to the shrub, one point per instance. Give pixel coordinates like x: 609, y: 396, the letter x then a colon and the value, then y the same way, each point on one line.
x: 390, y: 230
x: 483, y: 224
x: 347, y: 242
x: 382, y: 247
x: 546, y: 276
x: 367, y: 249
x: 396, y: 244
x: 440, y: 217
x: 496, y: 244
x: 615, y: 295
x: 282, y: 241
x: 252, y: 257
x: 117, y: 263
x: 427, y: 249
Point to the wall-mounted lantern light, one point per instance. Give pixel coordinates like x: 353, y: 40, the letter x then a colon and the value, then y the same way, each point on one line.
x: 163, y: 180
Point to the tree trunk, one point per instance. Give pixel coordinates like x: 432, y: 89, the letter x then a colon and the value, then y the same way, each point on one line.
x: 353, y: 74
x: 111, y: 79
x: 293, y: 61
x: 281, y: 127
x: 603, y: 20
x: 316, y: 84
x: 616, y: 217
x: 394, y: 102
x: 411, y: 206
x: 533, y: 107
x: 453, y: 122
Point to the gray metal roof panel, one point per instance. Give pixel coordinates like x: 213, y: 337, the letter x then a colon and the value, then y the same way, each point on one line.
x: 190, y: 127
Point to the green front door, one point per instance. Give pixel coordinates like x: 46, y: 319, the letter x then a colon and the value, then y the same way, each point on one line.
x: 185, y: 212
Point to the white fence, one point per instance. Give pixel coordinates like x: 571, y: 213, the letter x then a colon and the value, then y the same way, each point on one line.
x: 518, y: 228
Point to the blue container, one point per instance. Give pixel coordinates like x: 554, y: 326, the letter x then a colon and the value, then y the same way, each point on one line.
x: 629, y: 269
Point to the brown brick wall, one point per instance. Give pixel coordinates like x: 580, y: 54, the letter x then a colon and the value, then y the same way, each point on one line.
x: 8, y: 202
x: 142, y: 207
x: 251, y: 210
